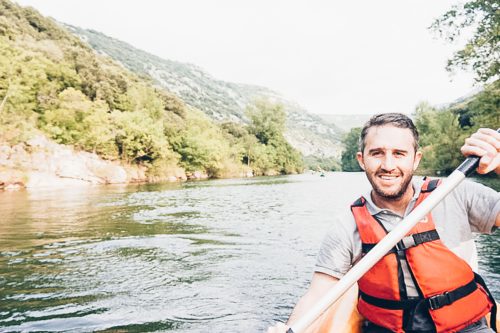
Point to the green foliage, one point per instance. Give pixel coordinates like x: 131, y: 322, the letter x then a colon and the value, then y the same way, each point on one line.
x: 442, y: 132
x: 483, y: 110
x: 201, y: 145
x: 99, y: 135
x: 285, y: 157
x: 235, y: 130
x: 51, y: 81
x: 351, y: 144
x: 274, y: 155
x: 267, y: 121
x: 260, y: 159
x: 64, y: 123
x: 481, y: 52
x: 138, y: 137
x: 322, y: 163
x: 440, y: 138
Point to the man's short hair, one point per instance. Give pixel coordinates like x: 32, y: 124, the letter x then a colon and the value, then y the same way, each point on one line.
x: 393, y: 119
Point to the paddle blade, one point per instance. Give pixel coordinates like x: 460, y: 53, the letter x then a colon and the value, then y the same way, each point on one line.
x: 341, y: 317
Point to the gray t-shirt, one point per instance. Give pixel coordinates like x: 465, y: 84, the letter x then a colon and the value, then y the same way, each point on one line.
x: 471, y: 207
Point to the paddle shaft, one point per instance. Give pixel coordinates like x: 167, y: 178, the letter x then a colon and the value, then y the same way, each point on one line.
x: 386, y: 244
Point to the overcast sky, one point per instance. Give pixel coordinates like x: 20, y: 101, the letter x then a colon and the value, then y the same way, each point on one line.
x: 337, y: 57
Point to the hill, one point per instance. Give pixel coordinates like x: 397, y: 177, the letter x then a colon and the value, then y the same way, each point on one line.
x: 220, y: 100
x: 345, y: 122
x: 53, y: 84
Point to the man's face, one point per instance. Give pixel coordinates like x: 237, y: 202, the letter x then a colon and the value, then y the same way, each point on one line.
x: 389, y: 160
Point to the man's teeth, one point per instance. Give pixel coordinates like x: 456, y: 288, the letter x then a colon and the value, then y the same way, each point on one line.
x: 385, y: 177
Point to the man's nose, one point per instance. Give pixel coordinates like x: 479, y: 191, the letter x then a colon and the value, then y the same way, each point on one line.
x: 388, y: 163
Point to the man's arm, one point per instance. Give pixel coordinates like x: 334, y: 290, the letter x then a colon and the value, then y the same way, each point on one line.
x: 320, y: 284
x: 485, y: 143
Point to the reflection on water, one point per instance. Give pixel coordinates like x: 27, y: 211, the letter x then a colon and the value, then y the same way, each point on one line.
x: 193, y: 257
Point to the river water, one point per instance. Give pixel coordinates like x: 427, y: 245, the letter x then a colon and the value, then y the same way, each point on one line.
x: 208, y: 256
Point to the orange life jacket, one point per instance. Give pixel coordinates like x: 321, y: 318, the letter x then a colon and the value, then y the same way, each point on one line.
x: 445, y: 282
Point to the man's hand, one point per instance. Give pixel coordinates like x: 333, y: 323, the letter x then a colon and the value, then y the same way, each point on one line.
x: 278, y: 328
x: 485, y: 143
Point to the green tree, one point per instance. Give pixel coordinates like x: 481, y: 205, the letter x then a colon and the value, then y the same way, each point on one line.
x: 268, y: 126
x: 482, y: 50
x: 351, y: 144
x: 440, y: 139
x: 202, y: 146
x: 140, y: 138
x: 99, y: 134
x: 267, y: 120
x: 482, y: 110
x: 322, y: 163
x: 65, y: 123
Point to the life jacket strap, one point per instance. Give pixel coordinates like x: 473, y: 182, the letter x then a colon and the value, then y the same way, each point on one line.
x: 389, y: 304
x: 406, y: 242
x: 493, y: 312
x: 431, y: 186
x: 434, y: 302
x: 417, y: 239
x: 438, y: 301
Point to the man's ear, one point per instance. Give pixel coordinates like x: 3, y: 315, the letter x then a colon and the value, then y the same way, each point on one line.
x: 416, y: 162
x: 359, y: 157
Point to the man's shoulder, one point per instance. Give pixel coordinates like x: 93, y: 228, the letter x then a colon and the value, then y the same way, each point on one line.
x: 343, y: 223
x: 469, y: 190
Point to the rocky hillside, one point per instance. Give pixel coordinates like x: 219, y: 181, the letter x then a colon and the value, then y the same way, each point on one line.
x: 97, y: 116
x: 218, y: 99
x: 345, y: 121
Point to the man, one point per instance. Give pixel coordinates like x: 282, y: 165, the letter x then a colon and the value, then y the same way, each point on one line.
x: 389, y: 156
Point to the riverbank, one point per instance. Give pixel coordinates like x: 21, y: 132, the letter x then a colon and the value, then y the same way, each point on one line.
x: 42, y: 163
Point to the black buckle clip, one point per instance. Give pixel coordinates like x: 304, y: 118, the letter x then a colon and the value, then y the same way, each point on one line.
x: 438, y: 301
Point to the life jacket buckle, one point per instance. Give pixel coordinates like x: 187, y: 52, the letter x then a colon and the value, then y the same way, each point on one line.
x: 438, y: 301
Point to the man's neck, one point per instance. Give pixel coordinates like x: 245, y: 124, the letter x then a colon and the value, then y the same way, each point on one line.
x: 398, y: 206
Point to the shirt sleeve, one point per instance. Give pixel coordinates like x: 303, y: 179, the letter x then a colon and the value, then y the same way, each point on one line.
x: 483, y: 206
x: 335, y: 256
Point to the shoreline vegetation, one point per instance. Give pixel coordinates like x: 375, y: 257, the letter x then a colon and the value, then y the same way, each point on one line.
x: 55, y: 90
x: 69, y: 115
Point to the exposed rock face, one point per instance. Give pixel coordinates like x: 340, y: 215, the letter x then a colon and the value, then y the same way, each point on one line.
x: 42, y: 163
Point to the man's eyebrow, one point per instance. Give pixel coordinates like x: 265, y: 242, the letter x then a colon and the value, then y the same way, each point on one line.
x: 374, y: 150
x: 401, y: 151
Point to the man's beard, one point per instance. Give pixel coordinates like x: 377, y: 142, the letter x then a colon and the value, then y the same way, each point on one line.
x: 394, y: 195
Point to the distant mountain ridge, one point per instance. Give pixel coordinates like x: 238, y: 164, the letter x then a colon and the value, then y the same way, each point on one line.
x: 220, y: 100
x: 344, y: 121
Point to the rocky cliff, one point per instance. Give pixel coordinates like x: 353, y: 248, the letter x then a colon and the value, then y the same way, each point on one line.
x: 39, y: 163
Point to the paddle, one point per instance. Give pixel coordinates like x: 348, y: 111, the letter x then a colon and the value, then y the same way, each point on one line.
x: 386, y: 244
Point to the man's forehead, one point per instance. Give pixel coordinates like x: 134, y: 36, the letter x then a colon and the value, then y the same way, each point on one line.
x: 389, y: 137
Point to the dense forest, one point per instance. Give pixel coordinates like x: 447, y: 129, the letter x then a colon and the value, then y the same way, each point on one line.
x: 52, y: 82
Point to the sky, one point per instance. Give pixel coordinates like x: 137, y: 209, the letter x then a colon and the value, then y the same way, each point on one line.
x: 332, y: 57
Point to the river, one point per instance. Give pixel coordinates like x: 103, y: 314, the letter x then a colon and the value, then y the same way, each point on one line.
x: 208, y: 256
